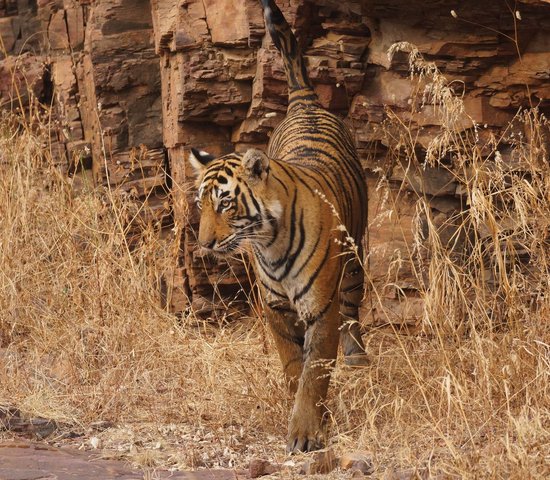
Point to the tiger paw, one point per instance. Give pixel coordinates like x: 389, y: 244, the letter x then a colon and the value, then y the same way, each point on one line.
x: 304, y: 434
x: 303, y: 443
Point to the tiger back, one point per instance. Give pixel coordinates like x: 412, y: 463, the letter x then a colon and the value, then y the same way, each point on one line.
x: 300, y: 211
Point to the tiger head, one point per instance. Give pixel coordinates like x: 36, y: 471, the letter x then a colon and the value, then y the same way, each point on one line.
x: 235, y: 202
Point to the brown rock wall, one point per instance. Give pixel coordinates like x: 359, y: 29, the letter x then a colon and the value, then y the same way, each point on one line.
x: 208, y: 63
x: 137, y: 82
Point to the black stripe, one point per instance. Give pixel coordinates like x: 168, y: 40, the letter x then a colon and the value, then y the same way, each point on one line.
x: 281, y: 182
x: 324, y: 123
x: 245, y: 203
x: 314, y: 318
x: 335, y: 164
x: 310, y: 255
x: 253, y: 219
x: 274, y: 292
x: 280, y: 261
x: 298, y: 251
x: 277, y: 306
x: 332, y: 166
x: 275, y: 225
x: 309, y: 96
x: 269, y: 266
x: 254, y: 201
x: 328, y: 184
x: 295, y: 177
x: 311, y: 279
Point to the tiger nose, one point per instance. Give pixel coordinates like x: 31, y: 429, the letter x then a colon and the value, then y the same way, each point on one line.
x: 209, y: 244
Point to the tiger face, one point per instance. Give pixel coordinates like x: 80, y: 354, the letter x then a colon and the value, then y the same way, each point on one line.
x: 234, y: 201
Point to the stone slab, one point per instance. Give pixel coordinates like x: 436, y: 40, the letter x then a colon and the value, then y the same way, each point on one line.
x: 34, y: 461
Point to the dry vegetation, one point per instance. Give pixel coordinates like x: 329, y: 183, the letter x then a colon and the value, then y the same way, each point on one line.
x: 83, y: 337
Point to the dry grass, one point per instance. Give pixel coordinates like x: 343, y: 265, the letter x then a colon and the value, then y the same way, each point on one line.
x: 83, y: 337
x: 82, y: 333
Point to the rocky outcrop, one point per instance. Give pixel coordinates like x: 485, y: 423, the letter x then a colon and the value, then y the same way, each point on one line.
x: 136, y: 83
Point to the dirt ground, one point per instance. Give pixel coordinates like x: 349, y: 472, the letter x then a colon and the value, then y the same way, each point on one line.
x: 103, y: 451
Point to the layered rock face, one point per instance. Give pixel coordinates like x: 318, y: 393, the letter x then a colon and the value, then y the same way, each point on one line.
x: 135, y: 83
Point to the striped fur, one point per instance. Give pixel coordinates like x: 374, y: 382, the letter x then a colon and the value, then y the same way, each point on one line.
x: 293, y: 209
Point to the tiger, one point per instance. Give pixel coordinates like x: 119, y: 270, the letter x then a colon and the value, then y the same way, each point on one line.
x: 295, y: 209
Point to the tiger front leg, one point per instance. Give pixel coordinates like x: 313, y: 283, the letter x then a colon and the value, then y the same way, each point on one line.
x: 320, y: 350
x: 288, y: 335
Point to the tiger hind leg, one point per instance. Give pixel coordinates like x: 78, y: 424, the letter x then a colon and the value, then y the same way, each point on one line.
x: 351, y: 294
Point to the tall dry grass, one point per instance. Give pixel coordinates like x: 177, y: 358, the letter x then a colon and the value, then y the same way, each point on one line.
x: 83, y: 336
x: 468, y: 396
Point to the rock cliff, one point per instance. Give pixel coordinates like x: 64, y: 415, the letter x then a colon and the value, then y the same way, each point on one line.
x: 135, y: 83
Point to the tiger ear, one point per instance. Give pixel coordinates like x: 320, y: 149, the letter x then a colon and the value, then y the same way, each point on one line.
x: 199, y: 160
x: 256, y: 164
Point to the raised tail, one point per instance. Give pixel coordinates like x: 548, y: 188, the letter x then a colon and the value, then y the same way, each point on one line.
x: 300, y: 90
